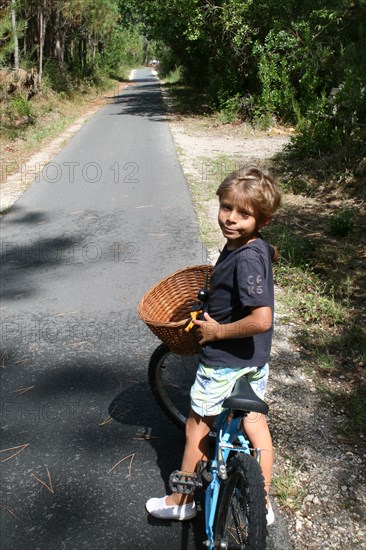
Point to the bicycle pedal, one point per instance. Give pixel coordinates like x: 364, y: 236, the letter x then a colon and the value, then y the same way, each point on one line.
x: 184, y: 482
x: 204, y: 470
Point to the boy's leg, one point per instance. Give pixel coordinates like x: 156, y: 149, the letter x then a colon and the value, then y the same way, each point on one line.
x: 256, y: 428
x: 196, y: 449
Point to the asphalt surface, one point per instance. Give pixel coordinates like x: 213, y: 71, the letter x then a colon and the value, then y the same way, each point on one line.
x: 107, y: 218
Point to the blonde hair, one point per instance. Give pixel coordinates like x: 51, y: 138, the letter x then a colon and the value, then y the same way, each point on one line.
x: 251, y: 186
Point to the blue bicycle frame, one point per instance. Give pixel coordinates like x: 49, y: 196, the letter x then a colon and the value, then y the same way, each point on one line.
x: 228, y: 429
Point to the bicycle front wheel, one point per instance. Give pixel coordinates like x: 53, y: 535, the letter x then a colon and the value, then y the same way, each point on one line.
x: 241, y: 516
x: 171, y: 376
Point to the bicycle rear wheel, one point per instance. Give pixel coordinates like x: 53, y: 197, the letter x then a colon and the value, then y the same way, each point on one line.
x: 171, y: 376
x: 241, y: 515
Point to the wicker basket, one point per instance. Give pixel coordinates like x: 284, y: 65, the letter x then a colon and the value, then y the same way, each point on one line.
x: 165, y: 308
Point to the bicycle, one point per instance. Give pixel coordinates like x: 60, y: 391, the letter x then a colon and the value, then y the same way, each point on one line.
x: 235, y: 506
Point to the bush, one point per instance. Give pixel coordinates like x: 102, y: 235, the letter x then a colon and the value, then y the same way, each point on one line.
x: 342, y: 222
x: 230, y: 108
x: 21, y: 106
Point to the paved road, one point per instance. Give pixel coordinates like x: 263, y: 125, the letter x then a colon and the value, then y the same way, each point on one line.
x: 108, y: 217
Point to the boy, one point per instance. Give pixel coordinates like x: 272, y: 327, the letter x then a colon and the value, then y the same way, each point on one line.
x: 236, y: 334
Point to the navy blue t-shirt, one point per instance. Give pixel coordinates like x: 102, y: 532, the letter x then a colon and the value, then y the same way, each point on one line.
x: 242, y: 279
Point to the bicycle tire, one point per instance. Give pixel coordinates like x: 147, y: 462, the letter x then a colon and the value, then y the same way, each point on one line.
x: 240, y: 521
x: 171, y: 376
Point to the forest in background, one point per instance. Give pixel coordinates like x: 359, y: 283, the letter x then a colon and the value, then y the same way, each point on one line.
x: 56, y: 56
x: 297, y: 63
x: 66, y: 41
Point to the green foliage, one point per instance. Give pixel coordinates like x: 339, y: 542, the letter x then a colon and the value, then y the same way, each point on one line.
x: 7, y: 45
x: 342, y: 222
x: 269, y: 62
x: 82, y: 41
x: 124, y: 47
x: 326, y: 362
x: 278, y: 93
x: 296, y: 250
x: 230, y: 108
x: 173, y: 76
x: 337, y: 121
x: 22, y: 106
x: 7, y: 33
x: 287, y: 487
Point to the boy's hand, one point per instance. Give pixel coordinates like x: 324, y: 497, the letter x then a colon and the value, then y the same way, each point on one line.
x: 209, y: 328
x: 259, y: 320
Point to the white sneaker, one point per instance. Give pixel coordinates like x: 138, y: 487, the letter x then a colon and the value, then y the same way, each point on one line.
x: 270, y: 515
x: 158, y: 508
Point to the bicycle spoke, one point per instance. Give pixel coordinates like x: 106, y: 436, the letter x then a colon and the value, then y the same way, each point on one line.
x: 238, y: 532
x: 240, y: 520
x: 171, y: 376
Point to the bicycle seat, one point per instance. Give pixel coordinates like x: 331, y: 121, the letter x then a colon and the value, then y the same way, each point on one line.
x: 244, y: 398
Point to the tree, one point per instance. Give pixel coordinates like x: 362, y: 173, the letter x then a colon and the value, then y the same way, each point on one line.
x: 11, y: 29
x: 272, y: 59
x: 60, y: 40
x: 15, y: 35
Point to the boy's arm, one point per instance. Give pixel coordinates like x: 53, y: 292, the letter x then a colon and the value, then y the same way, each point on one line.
x: 259, y: 320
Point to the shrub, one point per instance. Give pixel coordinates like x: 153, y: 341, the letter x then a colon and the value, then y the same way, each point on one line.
x: 342, y: 222
x: 21, y: 106
x: 230, y: 109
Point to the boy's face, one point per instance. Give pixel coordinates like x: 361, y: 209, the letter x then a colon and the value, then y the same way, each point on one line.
x: 238, y: 224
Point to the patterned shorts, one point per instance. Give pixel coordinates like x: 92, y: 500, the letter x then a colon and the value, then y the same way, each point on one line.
x: 214, y: 384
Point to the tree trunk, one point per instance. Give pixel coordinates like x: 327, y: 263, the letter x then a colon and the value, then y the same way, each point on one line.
x: 59, y: 44
x: 94, y: 39
x: 42, y: 34
x: 85, y: 54
x: 40, y: 45
x: 94, y: 53
x: 15, y: 35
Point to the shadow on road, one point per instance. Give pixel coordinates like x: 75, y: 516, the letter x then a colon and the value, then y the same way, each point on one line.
x: 133, y: 406
x: 142, y: 99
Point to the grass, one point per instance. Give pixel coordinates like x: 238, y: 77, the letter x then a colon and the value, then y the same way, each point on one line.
x: 215, y: 170
x: 173, y: 76
x: 322, y: 295
x: 326, y: 362
x: 286, y: 486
